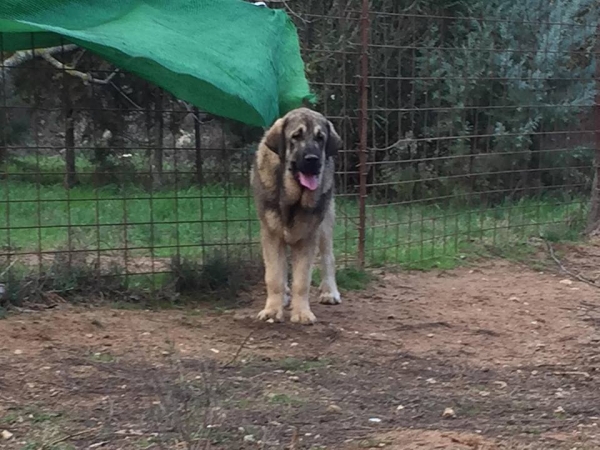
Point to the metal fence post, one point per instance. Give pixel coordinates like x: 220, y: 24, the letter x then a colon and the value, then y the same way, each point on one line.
x: 362, y: 149
x: 594, y: 215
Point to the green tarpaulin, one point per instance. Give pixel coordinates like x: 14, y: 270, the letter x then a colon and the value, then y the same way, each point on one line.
x: 228, y: 57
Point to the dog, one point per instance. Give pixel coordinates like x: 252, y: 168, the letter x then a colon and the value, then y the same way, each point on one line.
x: 292, y: 181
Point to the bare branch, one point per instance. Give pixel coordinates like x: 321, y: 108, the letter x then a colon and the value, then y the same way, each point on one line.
x: 23, y: 56
x: 86, y: 77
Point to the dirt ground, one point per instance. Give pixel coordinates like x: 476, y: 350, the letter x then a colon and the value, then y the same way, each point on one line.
x: 497, y: 356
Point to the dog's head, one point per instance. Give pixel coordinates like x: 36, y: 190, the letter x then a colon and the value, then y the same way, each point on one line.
x: 304, y: 140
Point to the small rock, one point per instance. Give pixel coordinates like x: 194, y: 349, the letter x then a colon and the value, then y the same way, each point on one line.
x: 334, y: 409
x: 249, y: 438
x: 430, y: 381
x: 294, y: 344
x: 448, y: 413
x: 400, y: 408
x: 294, y: 378
x: 484, y: 393
x: 6, y: 435
x: 566, y: 282
x: 18, y: 352
x: 559, y: 410
x: 270, y: 321
x: 375, y: 420
x: 430, y: 335
x: 214, y: 350
x: 89, y: 335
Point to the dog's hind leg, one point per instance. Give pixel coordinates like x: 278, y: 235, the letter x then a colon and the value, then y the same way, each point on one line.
x: 329, y: 291
x: 275, y: 275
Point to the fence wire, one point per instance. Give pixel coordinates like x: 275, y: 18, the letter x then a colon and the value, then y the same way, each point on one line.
x: 470, y: 129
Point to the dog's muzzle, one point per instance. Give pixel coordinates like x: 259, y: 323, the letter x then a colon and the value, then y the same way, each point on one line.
x: 310, y: 164
x: 308, y: 169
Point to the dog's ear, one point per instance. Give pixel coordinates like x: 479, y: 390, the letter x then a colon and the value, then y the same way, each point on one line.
x: 275, y: 138
x: 334, y: 142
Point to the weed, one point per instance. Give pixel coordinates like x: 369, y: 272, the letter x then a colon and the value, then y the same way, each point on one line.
x: 220, y: 274
x: 145, y: 443
x: 298, y: 365
x: 284, y: 399
x: 9, y: 418
x: 39, y: 416
x: 102, y: 357
x: 348, y: 278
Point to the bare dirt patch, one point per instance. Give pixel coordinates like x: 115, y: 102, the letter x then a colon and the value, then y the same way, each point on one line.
x: 514, y: 353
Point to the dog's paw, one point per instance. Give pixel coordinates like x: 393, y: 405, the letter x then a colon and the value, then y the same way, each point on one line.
x: 330, y: 298
x: 303, y: 316
x: 271, y: 313
x: 287, y: 298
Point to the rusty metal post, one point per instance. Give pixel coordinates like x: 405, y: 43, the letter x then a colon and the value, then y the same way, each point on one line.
x: 594, y: 215
x: 363, y: 126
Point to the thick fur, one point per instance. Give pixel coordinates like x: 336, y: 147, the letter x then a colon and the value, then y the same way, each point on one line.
x: 294, y: 216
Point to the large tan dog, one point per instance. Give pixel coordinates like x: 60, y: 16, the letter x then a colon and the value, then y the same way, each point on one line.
x: 293, y: 181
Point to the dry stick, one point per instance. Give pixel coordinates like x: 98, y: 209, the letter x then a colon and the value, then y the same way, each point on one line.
x: 8, y: 268
x: 66, y: 438
x: 239, y: 350
x: 294, y: 443
x: 567, y: 271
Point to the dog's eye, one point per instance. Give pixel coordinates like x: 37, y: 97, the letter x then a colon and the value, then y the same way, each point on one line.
x: 320, y: 137
x: 297, y: 134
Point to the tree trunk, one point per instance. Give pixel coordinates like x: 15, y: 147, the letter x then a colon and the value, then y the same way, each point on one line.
x: 198, y: 144
x: 71, y: 171
x: 594, y: 216
x: 157, y: 159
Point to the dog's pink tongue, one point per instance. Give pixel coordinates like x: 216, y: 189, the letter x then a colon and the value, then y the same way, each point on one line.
x: 309, y: 181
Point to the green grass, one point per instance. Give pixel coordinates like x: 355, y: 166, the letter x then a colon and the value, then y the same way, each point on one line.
x: 285, y: 400
x: 348, y: 278
x: 201, y: 221
x: 300, y: 365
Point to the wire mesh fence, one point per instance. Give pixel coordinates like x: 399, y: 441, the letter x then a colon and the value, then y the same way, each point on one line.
x: 465, y: 128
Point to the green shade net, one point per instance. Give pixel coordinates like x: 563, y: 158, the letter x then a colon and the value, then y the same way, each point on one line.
x: 227, y: 57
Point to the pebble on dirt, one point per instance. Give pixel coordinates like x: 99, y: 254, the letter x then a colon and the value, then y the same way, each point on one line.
x: 334, y: 409
x: 6, y: 435
x: 448, y: 413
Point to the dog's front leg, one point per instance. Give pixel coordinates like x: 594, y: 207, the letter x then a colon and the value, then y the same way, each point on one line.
x: 275, y: 275
x: 303, y: 254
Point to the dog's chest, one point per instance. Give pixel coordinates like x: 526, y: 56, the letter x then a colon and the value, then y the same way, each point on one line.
x: 300, y: 225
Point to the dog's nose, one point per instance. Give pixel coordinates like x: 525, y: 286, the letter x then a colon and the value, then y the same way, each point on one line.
x: 311, y: 157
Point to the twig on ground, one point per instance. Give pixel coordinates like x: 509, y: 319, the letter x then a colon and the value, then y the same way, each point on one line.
x: 567, y: 271
x: 67, y: 437
x: 239, y: 350
x: 294, y: 443
x: 8, y: 268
